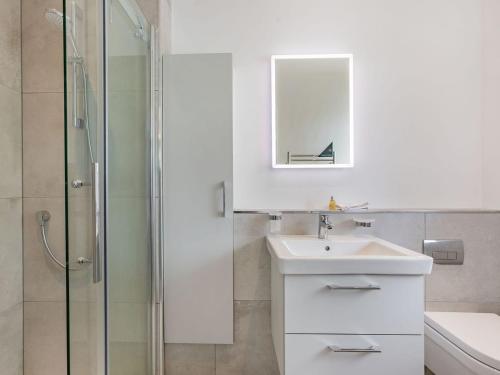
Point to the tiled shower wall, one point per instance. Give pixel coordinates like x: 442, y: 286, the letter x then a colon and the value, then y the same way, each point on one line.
x: 42, y: 158
x: 43, y: 189
x: 11, y: 283
x: 474, y: 286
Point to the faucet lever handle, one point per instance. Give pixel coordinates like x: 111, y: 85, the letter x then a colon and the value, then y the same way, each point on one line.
x: 324, y: 219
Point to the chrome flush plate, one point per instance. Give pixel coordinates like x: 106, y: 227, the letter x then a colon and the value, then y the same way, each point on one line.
x: 445, y: 251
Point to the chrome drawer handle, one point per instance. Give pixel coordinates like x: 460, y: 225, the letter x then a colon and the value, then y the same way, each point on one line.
x: 370, y: 349
x: 353, y: 287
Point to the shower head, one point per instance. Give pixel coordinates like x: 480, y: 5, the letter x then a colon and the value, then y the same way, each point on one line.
x: 55, y: 17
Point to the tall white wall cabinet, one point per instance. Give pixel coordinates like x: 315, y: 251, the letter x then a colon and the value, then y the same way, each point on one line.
x: 198, y: 198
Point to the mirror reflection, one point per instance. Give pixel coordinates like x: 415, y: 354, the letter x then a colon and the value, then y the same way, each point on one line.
x: 312, y: 117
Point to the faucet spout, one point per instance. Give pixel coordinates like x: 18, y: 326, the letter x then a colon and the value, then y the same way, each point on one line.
x: 324, y: 226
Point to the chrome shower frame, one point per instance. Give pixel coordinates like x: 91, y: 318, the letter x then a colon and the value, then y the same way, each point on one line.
x: 156, y: 79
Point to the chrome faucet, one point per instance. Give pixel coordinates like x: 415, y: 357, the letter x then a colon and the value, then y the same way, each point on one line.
x: 324, y: 227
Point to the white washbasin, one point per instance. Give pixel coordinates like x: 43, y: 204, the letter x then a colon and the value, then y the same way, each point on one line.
x: 345, y: 255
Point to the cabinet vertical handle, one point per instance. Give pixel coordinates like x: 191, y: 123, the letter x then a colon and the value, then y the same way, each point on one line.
x: 96, y: 253
x: 224, y: 205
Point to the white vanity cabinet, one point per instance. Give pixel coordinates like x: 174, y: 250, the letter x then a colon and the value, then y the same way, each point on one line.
x: 348, y: 324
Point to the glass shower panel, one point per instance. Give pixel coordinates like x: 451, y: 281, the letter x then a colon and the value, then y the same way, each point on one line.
x: 128, y: 247
x: 108, y: 174
x: 83, y: 135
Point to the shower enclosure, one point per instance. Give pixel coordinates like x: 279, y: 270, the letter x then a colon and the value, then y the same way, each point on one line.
x: 113, y: 273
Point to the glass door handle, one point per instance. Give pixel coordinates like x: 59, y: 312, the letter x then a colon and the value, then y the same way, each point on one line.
x: 96, y: 253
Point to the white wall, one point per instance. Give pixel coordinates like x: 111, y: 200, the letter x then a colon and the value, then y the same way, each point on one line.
x: 417, y: 95
x: 491, y: 102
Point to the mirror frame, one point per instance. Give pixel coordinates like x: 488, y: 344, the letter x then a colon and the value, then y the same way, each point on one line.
x: 275, y: 58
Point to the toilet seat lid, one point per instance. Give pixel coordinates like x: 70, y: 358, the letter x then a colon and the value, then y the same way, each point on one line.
x: 477, y: 334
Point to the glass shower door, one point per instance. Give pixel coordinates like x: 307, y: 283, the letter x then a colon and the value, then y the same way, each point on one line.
x: 83, y: 152
x: 128, y: 175
x: 108, y: 189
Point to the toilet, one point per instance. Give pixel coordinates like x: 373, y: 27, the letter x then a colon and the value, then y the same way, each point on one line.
x: 458, y: 343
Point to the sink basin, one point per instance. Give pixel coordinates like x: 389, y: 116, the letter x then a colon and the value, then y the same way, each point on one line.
x: 345, y: 255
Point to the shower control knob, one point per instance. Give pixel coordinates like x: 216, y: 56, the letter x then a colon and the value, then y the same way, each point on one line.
x: 77, y: 184
x: 82, y: 260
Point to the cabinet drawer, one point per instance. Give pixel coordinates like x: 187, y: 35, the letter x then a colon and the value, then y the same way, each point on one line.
x: 354, y: 304
x: 322, y: 354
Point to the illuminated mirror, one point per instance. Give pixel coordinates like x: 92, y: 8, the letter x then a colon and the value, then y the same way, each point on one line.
x: 312, y: 111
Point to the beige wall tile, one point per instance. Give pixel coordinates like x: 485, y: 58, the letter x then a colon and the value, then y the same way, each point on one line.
x: 11, y: 340
x: 128, y: 358
x: 253, y: 352
x: 10, y: 142
x: 299, y: 223
x: 132, y: 67
x: 130, y: 269
x: 129, y: 323
x: 11, y: 253
x: 150, y: 9
x: 43, y: 145
x: 43, y: 279
x: 127, y: 154
x: 11, y: 267
x: 86, y: 334
x: 478, y: 279
x: 10, y: 44
x: 403, y: 229
x: 189, y: 359
x: 252, y: 262
x: 42, y: 48
x: 44, y: 338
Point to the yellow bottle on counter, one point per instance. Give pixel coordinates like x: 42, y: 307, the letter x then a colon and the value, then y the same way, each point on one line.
x: 332, y: 206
